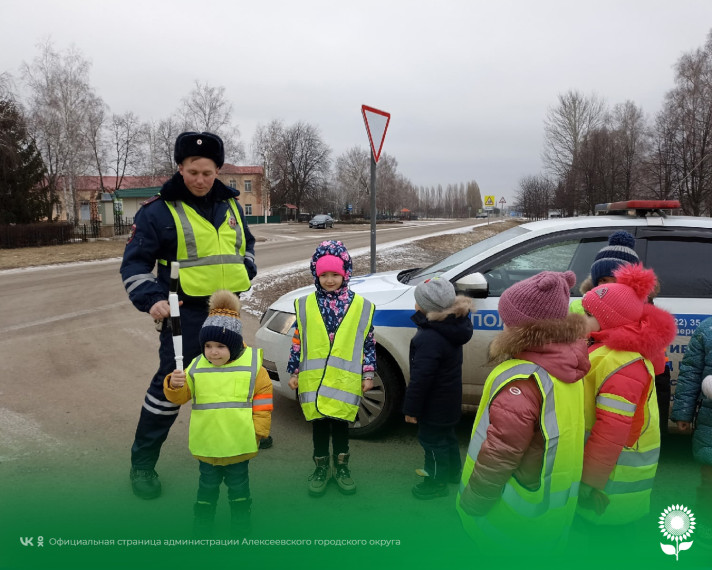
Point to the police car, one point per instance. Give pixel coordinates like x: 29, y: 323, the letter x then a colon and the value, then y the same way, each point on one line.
x: 678, y: 248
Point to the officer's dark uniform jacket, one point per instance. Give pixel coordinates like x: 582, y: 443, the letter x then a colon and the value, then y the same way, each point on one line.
x: 153, y: 238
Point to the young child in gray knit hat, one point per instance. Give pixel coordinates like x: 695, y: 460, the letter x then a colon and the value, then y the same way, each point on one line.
x: 231, y: 393
x: 433, y: 399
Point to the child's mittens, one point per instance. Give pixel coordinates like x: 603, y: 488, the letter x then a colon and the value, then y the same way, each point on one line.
x: 707, y: 386
x: 592, y: 499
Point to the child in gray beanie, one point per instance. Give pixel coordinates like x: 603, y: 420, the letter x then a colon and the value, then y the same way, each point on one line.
x: 433, y: 399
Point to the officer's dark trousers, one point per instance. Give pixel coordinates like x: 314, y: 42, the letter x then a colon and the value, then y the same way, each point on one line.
x: 157, y: 413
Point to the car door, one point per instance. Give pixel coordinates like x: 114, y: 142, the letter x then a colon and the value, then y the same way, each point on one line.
x: 680, y: 257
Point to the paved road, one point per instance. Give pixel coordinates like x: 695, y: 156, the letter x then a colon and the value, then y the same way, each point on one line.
x: 77, y: 359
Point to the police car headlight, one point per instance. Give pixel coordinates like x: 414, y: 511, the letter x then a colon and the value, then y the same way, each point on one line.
x: 281, y: 322
x: 266, y: 316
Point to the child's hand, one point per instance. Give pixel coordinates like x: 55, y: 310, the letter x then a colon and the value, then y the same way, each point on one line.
x: 411, y: 420
x: 293, y: 381
x: 177, y: 379
x: 366, y: 384
x: 684, y: 427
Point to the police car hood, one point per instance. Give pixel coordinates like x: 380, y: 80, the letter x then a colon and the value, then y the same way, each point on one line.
x: 379, y: 288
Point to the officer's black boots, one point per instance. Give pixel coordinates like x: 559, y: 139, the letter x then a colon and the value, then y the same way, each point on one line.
x: 145, y: 483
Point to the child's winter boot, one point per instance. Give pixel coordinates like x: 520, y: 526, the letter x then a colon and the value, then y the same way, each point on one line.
x: 430, y: 489
x: 203, y: 518
x: 240, y: 515
x: 320, y: 478
x: 342, y: 474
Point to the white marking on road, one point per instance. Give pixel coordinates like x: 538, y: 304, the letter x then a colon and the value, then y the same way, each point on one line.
x: 21, y: 435
x: 65, y: 316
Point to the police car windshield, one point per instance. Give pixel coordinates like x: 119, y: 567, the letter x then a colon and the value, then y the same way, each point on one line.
x: 440, y: 267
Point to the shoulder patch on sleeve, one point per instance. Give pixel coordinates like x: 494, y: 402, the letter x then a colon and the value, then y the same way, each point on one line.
x: 151, y: 199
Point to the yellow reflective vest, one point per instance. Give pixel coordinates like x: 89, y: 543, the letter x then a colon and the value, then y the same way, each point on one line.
x: 540, y: 516
x: 330, y: 373
x: 221, y: 423
x: 631, y: 482
x: 210, y: 258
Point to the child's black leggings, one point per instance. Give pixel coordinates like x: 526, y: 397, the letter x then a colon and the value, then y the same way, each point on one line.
x: 325, y: 428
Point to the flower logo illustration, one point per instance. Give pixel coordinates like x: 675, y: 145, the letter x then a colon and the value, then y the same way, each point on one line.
x: 677, y: 523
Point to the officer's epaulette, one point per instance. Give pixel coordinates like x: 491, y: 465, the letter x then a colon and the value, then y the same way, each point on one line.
x: 151, y: 199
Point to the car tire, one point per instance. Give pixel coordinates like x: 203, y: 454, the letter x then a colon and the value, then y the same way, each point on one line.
x: 381, y: 405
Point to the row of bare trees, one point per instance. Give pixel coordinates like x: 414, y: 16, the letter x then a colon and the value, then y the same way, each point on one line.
x: 76, y: 134
x: 300, y: 171
x: 594, y: 153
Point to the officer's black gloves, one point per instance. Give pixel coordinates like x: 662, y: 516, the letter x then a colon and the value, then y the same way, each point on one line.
x: 251, y: 268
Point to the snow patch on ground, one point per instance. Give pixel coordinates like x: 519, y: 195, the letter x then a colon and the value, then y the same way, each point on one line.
x: 19, y: 434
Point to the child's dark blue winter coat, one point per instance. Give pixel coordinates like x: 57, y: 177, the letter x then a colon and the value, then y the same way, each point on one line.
x: 434, y: 394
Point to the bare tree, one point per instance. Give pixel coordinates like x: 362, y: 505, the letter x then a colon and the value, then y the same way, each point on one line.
x: 60, y: 97
x: 473, y: 197
x: 565, y: 127
x: 301, y: 164
x: 126, y: 137
x: 630, y: 131
x: 535, y: 196
x: 207, y: 108
x: 688, y: 109
x: 94, y: 131
x: 353, y: 178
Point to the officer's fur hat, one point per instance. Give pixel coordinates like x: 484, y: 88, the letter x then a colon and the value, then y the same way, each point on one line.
x: 207, y: 145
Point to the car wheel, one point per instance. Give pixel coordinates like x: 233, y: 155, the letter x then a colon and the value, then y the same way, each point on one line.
x: 382, y: 403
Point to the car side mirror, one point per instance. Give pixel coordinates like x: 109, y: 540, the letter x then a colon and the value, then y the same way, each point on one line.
x: 473, y: 285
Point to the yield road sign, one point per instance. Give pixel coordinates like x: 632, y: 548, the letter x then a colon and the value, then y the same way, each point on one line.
x: 376, y: 127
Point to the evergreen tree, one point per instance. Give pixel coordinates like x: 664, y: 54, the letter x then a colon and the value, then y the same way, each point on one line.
x: 24, y: 197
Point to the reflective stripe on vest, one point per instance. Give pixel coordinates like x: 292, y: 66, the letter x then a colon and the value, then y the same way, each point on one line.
x: 330, y: 373
x: 221, y: 423
x: 542, y: 514
x: 210, y: 258
x: 631, y: 481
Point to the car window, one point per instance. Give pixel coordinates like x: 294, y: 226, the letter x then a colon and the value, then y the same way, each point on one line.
x: 461, y: 256
x: 682, y: 265
x: 562, y: 252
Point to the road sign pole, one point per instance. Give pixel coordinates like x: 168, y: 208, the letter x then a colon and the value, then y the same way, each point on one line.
x: 373, y: 214
x: 376, y: 122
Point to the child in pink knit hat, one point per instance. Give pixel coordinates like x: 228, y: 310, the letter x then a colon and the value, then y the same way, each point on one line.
x: 529, y: 428
x: 623, y: 433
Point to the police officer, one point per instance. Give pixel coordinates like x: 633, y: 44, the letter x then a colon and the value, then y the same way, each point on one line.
x: 197, y: 221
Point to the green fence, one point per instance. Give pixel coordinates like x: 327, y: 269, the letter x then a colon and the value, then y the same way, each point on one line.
x: 261, y: 219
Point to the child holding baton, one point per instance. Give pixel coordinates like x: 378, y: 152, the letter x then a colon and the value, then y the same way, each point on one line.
x: 231, y: 396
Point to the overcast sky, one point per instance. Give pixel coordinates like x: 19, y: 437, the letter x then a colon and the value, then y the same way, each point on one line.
x: 467, y: 82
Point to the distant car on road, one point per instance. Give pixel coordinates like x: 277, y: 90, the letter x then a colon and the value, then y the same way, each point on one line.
x: 321, y: 221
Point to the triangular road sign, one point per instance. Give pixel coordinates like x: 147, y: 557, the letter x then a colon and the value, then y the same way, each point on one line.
x: 376, y: 127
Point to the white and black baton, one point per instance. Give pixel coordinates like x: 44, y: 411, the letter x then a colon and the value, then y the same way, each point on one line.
x: 175, y: 316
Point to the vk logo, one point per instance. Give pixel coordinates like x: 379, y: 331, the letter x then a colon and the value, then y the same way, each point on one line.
x: 26, y: 540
